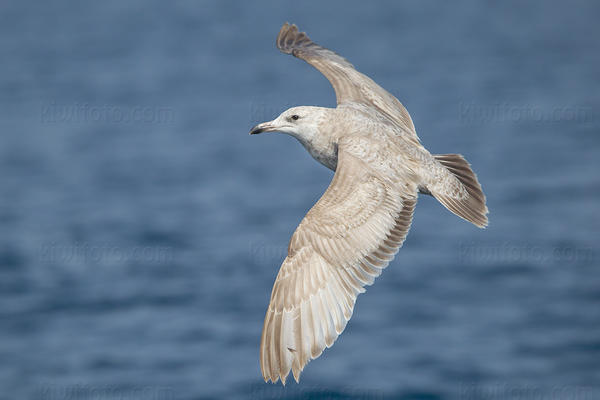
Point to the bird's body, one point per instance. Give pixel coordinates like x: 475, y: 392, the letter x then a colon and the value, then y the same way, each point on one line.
x: 348, y: 120
x: 360, y: 222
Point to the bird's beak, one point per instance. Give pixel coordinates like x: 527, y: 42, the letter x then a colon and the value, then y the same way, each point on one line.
x: 264, y: 127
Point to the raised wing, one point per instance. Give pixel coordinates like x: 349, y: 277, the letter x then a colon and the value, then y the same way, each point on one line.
x: 341, y: 245
x: 350, y: 85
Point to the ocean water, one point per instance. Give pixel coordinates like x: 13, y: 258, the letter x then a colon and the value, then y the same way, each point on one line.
x: 141, y: 228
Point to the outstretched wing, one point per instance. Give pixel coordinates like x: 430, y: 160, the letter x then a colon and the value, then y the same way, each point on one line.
x: 350, y: 85
x: 341, y: 245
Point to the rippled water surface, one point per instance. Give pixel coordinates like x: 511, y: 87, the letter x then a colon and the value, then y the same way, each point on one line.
x: 141, y: 228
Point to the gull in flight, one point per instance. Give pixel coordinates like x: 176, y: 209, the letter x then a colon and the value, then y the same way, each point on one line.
x: 357, y: 226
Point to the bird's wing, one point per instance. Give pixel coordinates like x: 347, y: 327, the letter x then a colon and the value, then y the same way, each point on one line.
x: 350, y: 85
x: 341, y: 245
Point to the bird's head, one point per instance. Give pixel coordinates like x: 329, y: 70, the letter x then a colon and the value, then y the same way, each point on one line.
x: 300, y: 122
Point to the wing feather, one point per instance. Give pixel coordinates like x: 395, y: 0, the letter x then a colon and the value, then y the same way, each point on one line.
x: 350, y: 85
x: 342, y: 244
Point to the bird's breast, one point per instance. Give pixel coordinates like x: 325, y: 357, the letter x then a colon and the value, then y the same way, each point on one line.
x: 324, y: 151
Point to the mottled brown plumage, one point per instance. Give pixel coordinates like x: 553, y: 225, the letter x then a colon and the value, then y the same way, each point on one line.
x: 355, y: 229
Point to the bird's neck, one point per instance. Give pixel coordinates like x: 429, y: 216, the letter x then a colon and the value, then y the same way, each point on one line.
x: 320, y: 141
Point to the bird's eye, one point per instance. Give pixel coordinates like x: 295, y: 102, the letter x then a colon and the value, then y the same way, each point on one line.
x: 295, y: 117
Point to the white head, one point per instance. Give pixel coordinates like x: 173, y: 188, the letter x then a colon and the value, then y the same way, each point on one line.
x: 300, y: 122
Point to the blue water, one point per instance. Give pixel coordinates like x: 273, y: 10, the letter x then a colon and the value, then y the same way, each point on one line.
x: 141, y: 228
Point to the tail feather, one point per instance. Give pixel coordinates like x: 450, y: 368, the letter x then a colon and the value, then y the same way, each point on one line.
x: 465, y: 199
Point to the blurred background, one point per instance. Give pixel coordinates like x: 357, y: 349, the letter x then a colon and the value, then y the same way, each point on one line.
x: 141, y: 228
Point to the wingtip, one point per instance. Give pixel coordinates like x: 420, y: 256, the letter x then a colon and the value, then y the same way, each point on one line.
x: 290, y: 37
x: 485, y: 223
x: 284, y: 32
x: 297, y: 376
x: 284, y: 28
x: 287, y: 26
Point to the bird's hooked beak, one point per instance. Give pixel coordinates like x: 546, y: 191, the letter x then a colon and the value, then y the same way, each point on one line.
x: 264, y: 127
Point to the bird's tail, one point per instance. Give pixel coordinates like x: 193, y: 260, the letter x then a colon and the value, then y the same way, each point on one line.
x: 463, y: 195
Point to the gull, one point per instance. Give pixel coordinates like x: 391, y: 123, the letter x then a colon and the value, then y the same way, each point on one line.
x: 356, y: 228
